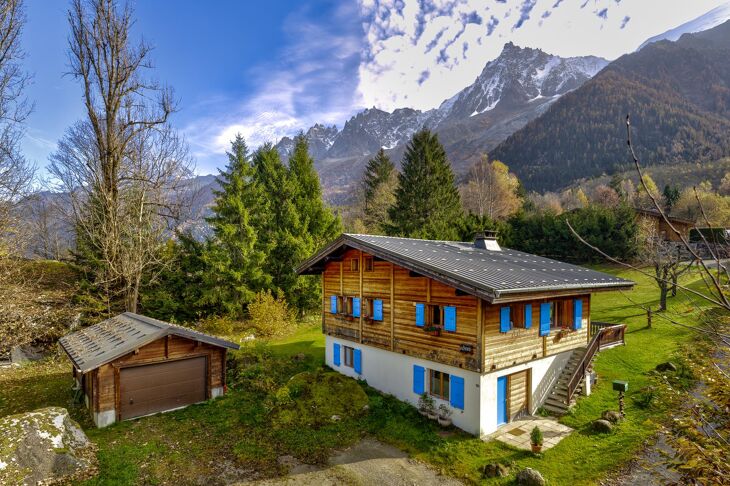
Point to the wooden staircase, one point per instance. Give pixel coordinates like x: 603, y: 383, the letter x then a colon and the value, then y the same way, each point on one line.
x: 557, y: 401
x: 571, y: 381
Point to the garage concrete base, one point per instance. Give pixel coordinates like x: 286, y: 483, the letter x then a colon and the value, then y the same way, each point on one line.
x: 216, y: 392
x: 102, y: 419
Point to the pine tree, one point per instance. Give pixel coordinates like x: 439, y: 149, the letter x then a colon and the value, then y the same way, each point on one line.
x: 378, y: 185
x: 234, y: 257
x: 427, y: 201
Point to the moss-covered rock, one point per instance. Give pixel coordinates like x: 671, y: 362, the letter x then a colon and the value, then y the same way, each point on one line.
x: 316, y: 399
x: 44, y: 447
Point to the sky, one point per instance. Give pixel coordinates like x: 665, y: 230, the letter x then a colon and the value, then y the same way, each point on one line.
x: 269, y: 69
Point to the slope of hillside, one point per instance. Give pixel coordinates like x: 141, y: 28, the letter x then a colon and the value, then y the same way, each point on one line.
x: 678, y: 95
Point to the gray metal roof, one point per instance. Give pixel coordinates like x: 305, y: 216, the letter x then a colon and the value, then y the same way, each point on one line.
x: 489, y: 274
x: 108, y: 340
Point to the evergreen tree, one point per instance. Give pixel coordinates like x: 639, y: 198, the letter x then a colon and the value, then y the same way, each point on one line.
x: 234, y: 257
x: 427, y: 201
x: 378, y: 185
x: 671, y: 196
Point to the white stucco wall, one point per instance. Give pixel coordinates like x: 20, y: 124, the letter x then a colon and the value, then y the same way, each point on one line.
x: 393, y: 373
x: 545, y: 372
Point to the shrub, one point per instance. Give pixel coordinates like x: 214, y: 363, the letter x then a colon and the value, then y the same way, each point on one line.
x: 270, y: 316
x: 221, y: 326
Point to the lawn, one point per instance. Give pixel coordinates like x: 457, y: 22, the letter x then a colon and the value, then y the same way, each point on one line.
x: 233, y: 437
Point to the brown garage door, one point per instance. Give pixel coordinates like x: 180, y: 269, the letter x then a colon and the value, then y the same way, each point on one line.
x: 161, y: 386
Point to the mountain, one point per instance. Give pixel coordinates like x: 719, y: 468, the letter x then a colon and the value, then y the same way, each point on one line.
x: 678, y: 95
x: 713, y: 18
x: 511, y: 90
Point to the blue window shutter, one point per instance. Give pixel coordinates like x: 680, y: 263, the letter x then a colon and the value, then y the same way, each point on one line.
x: 333, y: 304
x: 336, y: 355
x: 357, y: 361
x: 528, y: 316
x: 450, y: 318
x: 544, y: 319
x: 378, y: 310
x: 419, y: 374
x: 577, y: 314
x: 355, y: 307
x: 457, y: 392
x: 420, y: 315
x: 504, y: 323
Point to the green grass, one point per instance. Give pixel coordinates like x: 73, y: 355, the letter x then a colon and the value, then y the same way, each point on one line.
x: 233, y: 437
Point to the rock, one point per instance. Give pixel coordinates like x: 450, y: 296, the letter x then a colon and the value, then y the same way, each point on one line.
x: 44, y: 447
x: 530, y: 477
x: 602, y: 426
x: 612, y: 416
x: 495, y: 470
x: 335, y: 418
x: 299, y: 357
x: 667, y: 366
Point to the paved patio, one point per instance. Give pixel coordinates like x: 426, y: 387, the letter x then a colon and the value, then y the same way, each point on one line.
x: 517, y: 433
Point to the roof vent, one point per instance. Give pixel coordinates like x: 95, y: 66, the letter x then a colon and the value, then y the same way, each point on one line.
x: 487, y: 240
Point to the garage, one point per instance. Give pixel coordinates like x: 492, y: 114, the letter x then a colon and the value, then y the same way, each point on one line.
x: 130, y: 366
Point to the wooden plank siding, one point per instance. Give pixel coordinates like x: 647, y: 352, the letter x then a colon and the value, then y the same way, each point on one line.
x: 477, y: 340
x: 165, y: 349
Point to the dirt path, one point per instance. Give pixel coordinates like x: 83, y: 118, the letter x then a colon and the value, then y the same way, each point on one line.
x: 367, y: 462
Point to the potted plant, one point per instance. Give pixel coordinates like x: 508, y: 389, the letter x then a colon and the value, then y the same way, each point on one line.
x: 444, y: 415
x: 536, y: 440
x: 431, y: 410
x: 425, y: 403
x: 433, y: 330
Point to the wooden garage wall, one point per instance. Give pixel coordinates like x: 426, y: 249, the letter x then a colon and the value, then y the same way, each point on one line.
x: 400, y: 291
x: 168, y: 348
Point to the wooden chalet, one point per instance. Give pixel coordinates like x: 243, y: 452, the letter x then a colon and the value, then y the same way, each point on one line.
x: 492, y: 332
x: 130, y: 365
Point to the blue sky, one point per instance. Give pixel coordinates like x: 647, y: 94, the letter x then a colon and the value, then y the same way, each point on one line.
x: 269, y: 68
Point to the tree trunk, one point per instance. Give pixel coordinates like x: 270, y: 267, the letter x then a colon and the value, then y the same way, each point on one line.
x: 674, y: 284
x: 663, y: 291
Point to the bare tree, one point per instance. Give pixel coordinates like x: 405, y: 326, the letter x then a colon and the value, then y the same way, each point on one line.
x: 124, y: 167
x: 491, y: 190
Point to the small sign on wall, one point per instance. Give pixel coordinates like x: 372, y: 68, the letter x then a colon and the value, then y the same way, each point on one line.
x: 466, y: 348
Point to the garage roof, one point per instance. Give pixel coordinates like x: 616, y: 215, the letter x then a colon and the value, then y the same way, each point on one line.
x: 490, y: 274
x: 108, y: 340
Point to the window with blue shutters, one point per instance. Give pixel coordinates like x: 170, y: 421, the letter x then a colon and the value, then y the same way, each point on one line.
x: 377, y: 310
x: 450, y: 318
x: 336, y: 354
x: 504, y: 321
x: 577, y: 314
x: 545, y: 317
x: 419, y: 376
x: 355, y: 307
x: 358, y: 361
x: 457, y: 392
x: 528, y: 316
x: 333, y: 304
x: 420, y: 315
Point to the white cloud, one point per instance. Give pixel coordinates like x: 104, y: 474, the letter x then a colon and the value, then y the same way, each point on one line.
x: 407, y: 38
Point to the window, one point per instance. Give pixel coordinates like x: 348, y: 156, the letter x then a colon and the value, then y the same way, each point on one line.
x: 354, y: 265
x: 368, y: 264
x: 439, y: 384
x: 367, y: 308
x: 517, y: 314
x: 562, y: 314
x: 349, y: 356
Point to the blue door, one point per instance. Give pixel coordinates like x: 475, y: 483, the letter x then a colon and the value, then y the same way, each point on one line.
x: 501, y: 400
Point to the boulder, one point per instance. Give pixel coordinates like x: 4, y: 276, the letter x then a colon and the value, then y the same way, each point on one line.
x: 44, y: 447
x: 666, y: 366
x: 612, y: 416
x: 530, y: 477
x: 602, y: 426
x: 495, y: 470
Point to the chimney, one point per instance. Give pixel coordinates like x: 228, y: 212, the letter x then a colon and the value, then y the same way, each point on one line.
x: 487, y: 240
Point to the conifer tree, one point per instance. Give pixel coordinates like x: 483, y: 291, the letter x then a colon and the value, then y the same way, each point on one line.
x: 427, y: 201
x: 234, y: 257
x: 379, y: 182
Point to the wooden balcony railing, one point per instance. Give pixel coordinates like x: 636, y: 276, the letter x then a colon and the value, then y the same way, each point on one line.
x: 604, y: 335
